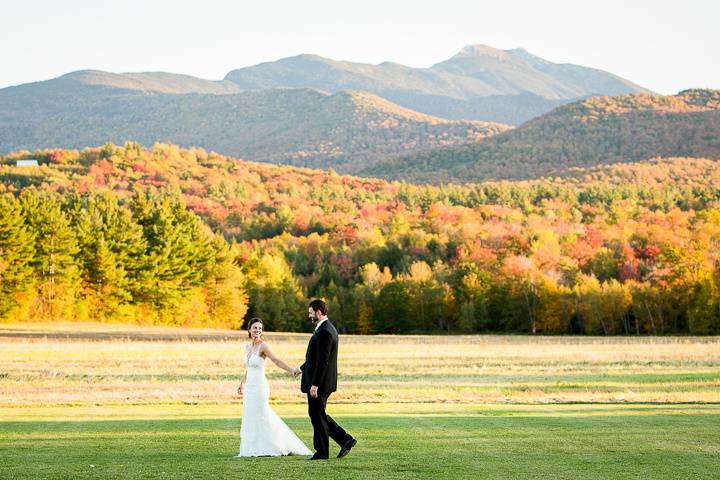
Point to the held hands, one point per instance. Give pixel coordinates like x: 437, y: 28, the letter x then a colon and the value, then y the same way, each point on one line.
x: 295, y: 372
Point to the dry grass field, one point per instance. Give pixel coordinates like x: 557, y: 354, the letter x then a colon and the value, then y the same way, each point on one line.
x: 67, y: 364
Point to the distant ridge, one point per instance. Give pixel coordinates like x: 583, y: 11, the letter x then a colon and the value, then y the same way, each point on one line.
x: 598, y: 130
x: 160, y: 82
x: 307, y: 110
x: 479, y: 82
x: 346, y: 130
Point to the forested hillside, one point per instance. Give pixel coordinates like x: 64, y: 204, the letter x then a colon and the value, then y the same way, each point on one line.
x: 598, y: 130
x: 187, y: 237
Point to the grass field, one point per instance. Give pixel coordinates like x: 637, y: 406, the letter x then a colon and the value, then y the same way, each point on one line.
x: 111, y: 401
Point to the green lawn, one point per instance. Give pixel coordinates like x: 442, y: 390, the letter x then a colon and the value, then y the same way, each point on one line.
x: 115, y: 401
x: 395, y: 441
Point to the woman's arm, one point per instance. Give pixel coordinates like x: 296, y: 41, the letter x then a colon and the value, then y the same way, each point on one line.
x: 242, y: 384
x: 244, y: 379
x: 265, y: 349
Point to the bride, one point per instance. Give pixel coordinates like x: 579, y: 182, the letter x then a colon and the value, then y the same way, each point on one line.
x: 263, y: 433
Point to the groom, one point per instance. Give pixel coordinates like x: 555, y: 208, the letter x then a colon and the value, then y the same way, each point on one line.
x: 319, y: 380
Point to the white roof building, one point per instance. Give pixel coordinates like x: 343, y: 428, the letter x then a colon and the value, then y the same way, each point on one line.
x: 27, y: 162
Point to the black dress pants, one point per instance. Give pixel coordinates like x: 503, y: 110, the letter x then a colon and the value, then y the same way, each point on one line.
x: 324, y: 426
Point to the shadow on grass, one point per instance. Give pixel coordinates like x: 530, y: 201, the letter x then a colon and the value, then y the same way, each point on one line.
x: 603, y: 445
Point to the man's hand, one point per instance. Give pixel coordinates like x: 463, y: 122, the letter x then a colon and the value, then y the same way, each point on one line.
x: 296, y: 371
x: 313, y: 391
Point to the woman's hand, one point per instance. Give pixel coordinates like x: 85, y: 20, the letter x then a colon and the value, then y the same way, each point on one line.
x: 241, y: 388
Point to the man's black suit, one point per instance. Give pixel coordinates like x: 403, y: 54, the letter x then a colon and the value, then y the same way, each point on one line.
x: 320, y: 368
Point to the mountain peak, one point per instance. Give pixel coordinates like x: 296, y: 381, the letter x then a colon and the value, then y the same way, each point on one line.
x: 479, y: 50
x: 518, y: 51
x: 485, y: 52
x: 310, y: 57
x: 531, y: 59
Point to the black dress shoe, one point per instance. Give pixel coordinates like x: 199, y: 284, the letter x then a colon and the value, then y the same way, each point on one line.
x: 346, y: 448
x: 315, y: 457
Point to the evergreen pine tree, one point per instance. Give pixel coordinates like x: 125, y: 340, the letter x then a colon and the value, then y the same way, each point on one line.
x: 16, y: 254
x: 54, y: 259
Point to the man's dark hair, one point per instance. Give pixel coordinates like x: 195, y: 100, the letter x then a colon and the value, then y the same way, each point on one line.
x: 319, y: 306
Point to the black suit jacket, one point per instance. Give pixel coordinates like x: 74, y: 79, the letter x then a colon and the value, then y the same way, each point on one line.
x: 320, y: 367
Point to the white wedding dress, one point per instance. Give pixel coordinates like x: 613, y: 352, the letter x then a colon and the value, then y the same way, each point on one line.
x: 263, y: 433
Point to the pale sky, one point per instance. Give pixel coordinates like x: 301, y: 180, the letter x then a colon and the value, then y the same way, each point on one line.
x: 663, y: 45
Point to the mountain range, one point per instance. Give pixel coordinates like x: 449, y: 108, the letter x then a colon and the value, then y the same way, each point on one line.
x: 385, y: 120
x: 305, y: 110
x: 346, y: 130
x: 479, y: 82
